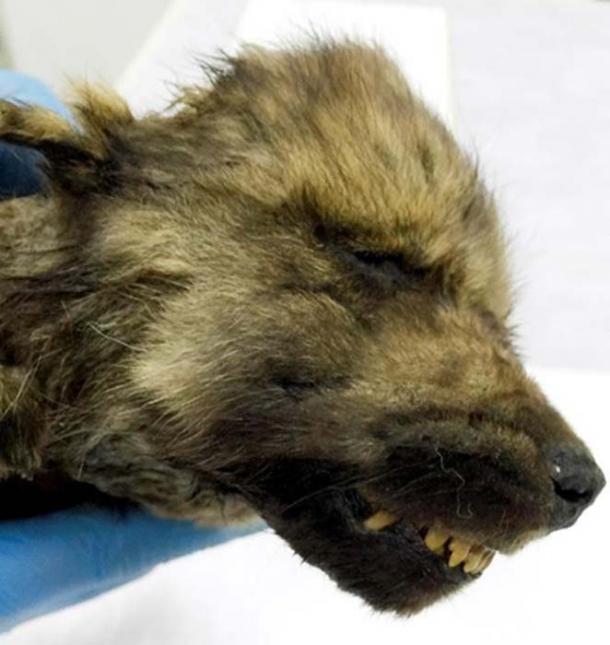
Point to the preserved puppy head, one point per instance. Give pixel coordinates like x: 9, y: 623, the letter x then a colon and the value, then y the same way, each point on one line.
x: 290, y: 297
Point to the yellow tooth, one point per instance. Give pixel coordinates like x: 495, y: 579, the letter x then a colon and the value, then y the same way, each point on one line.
x: 435, y: 539
x: 459, y: 552
x: 380, y: 520
x: 474, y: 558
x: 485, y: 561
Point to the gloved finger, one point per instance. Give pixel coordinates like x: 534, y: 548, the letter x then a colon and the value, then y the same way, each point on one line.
x: 53, y: 561
x: 19, y: 171
x: 19, y: 174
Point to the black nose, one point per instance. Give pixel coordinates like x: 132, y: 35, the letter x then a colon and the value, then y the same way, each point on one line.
x: 577, y: 480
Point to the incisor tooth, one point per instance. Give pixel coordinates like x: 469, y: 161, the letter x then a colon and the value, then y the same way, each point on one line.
x: 380, y: 520
x: 459, y: 552
x: 435, y: 539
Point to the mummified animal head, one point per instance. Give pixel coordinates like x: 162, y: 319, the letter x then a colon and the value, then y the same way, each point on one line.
x: 292, y: 294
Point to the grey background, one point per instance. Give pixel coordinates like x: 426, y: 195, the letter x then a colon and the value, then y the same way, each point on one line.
x: 533, y: 100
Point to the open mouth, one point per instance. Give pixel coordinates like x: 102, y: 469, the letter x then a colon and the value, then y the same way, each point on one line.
x: 454, y: 550
x: 399, y: 560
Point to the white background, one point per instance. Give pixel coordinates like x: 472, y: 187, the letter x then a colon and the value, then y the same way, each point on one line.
x: 532, y: 95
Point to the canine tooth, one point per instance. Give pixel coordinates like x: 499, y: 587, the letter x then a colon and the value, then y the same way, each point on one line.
x: 459, y: 552
x: 485, y: 561
x: 380, y: 520
x: 474, y: 558
x: 435, y: 539
x: 489, y: 556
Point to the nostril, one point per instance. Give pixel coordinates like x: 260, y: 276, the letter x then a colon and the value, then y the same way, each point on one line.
x: 573, y: 492
x: 577, y: 480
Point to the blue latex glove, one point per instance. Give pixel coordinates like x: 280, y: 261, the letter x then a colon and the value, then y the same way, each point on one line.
x: 56, y: 560
x: 18, y: 165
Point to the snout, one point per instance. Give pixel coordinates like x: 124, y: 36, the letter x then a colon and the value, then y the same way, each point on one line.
x: 577, y: 481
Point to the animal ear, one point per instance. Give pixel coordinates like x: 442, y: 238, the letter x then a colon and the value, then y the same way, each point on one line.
x: 78, y: 155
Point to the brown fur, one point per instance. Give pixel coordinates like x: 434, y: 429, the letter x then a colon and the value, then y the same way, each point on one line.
x: 288, y: 298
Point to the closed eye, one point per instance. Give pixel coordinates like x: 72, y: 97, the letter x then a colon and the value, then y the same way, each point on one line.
x: 390, y: 268
x: 380, y: 268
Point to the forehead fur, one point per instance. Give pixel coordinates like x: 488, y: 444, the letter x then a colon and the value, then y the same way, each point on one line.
x: 334, y: 132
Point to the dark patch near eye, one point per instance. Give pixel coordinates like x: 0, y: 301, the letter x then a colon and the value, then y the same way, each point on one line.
x: 391, y: 265
x: 390, y: 270
x: 298, y: 388
x: 380, y: 260
x: 294, y: 387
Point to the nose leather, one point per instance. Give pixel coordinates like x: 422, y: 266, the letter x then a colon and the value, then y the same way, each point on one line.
x: 577, y: 481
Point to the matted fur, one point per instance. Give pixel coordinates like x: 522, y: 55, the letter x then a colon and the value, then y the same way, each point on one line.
x: 288, y: 298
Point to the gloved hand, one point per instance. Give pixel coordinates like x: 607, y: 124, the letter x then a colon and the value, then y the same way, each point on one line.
x: 55, y: 560
x: 52, y: 561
